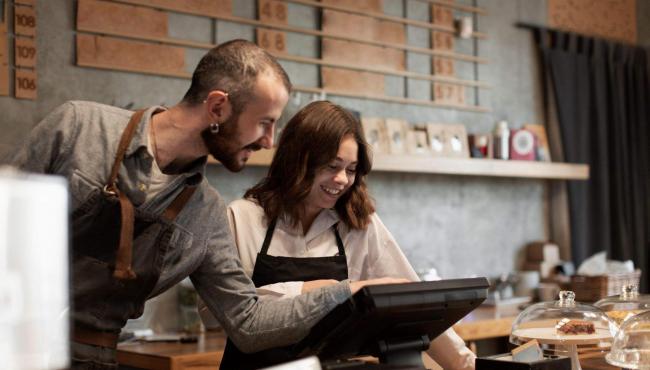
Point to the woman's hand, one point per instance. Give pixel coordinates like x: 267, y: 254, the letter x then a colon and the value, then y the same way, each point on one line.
x: 315, y: 284
x: 355, y: 286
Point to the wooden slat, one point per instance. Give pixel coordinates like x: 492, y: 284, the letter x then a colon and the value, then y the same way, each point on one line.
x: 109, y: 17
x: 210, y: 8
x: 461, y: 166
x: 4, y: 51
x: 25, y: 2
x: 361, y: 5
x: 367, y: 28
x: 311, y: 32
x: 26, y: 84
x: 363, y: 55
x: 25, y: 52
x: 393, y: 99
x: 112, y: 53
x: 341, y: 80
x: 461, y: 7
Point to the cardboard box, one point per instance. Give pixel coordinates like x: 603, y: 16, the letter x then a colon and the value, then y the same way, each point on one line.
x: 504, y: 362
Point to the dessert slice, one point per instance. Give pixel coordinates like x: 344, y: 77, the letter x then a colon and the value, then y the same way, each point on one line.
x: 574, y: 327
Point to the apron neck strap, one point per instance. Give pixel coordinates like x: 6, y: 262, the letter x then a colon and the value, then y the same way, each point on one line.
x: 269, y: 236
x: 339, y: 241
x: 125, y: 140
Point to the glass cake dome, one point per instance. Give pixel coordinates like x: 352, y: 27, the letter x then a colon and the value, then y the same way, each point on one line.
x: 631, y: 346
x: 627, y: 304
x: 564, y: 327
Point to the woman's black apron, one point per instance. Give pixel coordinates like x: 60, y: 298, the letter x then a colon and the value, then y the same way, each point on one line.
x: 271, y: 270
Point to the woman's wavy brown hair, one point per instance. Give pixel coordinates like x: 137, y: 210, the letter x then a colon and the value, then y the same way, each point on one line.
x: 310, y: 141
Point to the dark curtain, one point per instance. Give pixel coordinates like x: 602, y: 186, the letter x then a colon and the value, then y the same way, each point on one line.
x: 601, y: 92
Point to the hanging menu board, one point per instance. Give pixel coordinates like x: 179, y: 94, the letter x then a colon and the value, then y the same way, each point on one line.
x: 25, y: 83
x: 4, y: 49
x: 360, y: 52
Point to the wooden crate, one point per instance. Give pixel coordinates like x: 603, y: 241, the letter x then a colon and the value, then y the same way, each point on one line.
x: 593, y: 288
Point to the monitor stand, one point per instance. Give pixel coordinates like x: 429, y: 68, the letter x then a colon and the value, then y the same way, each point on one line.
x: 403, y: 352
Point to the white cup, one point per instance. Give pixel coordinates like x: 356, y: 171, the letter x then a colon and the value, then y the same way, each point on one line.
x: 527, y: 282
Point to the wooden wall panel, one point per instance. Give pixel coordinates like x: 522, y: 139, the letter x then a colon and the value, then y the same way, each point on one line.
x: 103, y: 16
x: 272, y: 11
x: 367, y: 28
x: 614, y: 19
x: 271, y: 40
x: 24, y: 21
x: 114, y: 53
x: 204, y: 7
x: 338, y: 23
x: 26, y: 85
x: 442, y: 16
x: 4, y: 50
x: 25, y: 52
x: 391, y: 32
x: 375, y: 6
x: 343, y: 80
x: 363, y: 55
x: 359, y: 54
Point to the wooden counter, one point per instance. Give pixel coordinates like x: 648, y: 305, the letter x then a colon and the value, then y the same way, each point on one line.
x: 482, y: 323
x: 204, y: 354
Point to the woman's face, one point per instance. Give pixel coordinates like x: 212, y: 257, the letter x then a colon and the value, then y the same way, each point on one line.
x: 335, y: 178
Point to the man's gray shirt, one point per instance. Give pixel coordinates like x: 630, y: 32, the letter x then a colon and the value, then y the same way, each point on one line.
x: 79, y: 140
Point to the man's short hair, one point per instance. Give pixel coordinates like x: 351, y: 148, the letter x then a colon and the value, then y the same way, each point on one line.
x: 233, y: 67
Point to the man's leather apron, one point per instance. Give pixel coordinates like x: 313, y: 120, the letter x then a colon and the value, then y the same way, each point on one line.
x: 278, y: 269
x: 113, y: 271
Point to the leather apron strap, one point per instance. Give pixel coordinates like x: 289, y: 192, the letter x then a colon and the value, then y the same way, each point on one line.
x: 124, y: 256
x: 123, y: 269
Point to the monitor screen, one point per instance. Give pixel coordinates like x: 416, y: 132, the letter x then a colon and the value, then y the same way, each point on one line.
x: 388, y: 320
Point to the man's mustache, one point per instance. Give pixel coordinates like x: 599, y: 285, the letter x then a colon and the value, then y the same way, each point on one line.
x: 254, y: 147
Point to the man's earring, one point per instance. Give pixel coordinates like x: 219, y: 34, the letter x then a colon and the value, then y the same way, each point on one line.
x: 214, y: 128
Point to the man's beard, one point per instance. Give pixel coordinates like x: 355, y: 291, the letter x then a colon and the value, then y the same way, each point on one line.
x: 224, y: 145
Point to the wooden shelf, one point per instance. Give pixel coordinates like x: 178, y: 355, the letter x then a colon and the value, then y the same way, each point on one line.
x: 461, y: 166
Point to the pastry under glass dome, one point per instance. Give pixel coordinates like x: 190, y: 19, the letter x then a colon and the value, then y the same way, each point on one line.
x: 631, y: 346
x: 548, y: 322
x: 627, y: 304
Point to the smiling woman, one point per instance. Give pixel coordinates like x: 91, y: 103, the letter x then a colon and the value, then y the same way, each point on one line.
x: 311, y: 222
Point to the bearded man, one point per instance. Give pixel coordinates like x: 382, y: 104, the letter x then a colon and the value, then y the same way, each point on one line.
x: 144, y: 217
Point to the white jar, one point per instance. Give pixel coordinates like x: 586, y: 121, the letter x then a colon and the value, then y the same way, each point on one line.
x: 501, y: 140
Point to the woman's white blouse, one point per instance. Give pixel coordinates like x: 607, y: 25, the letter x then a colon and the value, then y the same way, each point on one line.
x: 371, y: 253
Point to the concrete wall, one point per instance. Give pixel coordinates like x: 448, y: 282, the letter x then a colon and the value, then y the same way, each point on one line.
x: 460, y: 225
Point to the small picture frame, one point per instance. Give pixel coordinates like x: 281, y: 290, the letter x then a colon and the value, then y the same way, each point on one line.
x: 447, y: 140
x: 375, y: 131
x: 543, y: 153
x: 396, y: 130
x: 417, y: 141
x: 456, y: 139
x: 436, y: 136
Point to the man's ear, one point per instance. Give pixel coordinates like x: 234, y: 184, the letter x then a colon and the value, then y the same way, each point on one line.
x: 218, y: 106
